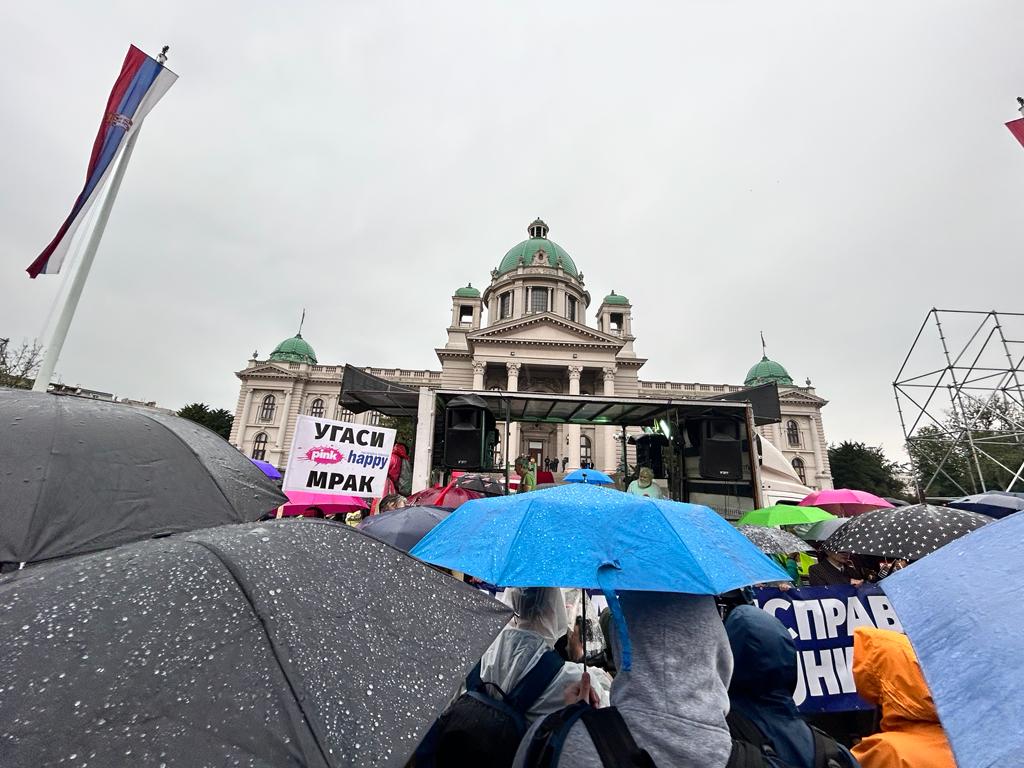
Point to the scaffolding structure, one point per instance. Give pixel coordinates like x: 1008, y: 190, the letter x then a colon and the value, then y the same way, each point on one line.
x: 964, y: 369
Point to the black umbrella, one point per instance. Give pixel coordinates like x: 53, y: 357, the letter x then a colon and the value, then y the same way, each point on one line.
x: 403, y: 527
x: 293, y: 642
x: 481, y: 484
x: 906, y: 532
x: 78, y: 475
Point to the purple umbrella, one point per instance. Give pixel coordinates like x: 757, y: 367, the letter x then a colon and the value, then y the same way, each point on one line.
x: 268, y: 469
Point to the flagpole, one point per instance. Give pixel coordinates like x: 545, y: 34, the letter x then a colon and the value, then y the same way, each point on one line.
x: 67, y: 311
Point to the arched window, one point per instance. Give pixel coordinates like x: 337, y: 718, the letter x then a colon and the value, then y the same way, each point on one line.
x: 798, y: 466
x: 259, y: 446
x: 268, y: 408
x: 792, y: 433
x: 316, y: 408
x: 586, y: 452
x: 343, y: 414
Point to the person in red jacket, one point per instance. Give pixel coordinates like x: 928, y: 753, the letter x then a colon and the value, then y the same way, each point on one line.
x: 399, y: 472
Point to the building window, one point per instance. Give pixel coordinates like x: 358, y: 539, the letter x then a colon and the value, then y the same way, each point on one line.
x: 505, y: 306
x: 570, y: 307
x: 344, y: 414
x: 792, y: 433
x: 267, y: 408
x: 259, y: 446
x: 615, y: 322
x: 465, y: 314
x: 373, y: 418
x: 539, y: 299
x: 316, y: 408
x: 586, y: 452
x: 798, y: 466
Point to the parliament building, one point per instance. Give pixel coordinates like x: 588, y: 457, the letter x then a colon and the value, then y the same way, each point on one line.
x: 527, y: 331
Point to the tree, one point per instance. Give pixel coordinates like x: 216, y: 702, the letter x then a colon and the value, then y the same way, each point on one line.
x: 986, y: 437
x: 19, y: 364
x: 405, y: 430
x: 219, y: 421
x: 866, y: 468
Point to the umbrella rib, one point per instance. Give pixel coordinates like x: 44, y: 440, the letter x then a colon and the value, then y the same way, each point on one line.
x: 192, y: 450
x: 278, y: 656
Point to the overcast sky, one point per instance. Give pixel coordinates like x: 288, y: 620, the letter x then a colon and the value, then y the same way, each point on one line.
x: 822, y: 171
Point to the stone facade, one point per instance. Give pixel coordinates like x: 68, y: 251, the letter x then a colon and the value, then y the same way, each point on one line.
x: 535, y: 339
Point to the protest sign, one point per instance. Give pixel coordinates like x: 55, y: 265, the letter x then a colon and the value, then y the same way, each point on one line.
x: 821, y: 621
x: 338, y: 457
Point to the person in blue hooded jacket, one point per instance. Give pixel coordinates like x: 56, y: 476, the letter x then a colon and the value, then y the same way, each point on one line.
x: 763, y: 679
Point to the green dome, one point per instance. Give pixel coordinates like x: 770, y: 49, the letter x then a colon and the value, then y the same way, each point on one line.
x: 523, y: 252
x: 294, y: 350
x: 765, y: 372
x: 469, y: 292
x: 614, y: 298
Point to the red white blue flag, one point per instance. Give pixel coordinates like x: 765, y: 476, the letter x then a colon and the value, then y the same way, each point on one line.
x: 141, y: 84
x: 1017, y: 129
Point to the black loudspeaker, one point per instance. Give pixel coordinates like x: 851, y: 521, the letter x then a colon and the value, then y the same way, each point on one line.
x: 468, y: 438
x: 648, y: 453
x: 721, y: 450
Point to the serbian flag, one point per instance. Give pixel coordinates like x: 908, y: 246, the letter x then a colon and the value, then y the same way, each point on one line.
x: 141, y: 84
x: 1017, y: 129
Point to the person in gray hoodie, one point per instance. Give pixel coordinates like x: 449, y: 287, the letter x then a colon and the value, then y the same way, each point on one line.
x: 675, y: 698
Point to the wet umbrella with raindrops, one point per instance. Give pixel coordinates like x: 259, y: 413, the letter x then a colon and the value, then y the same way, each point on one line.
x: 291, y: 642
x: 903, y: 532
x: 78, y: 476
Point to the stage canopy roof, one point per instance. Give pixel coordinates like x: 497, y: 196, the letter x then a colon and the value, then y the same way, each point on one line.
x: 362, y: 391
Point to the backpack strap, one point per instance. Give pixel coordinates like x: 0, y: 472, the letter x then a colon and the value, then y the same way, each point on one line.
x: 534, y: 682
x: 743, y: 728
x: 827, y: 752
x: 545, y: 747
x: 744, y: 755
x: 614, y: 743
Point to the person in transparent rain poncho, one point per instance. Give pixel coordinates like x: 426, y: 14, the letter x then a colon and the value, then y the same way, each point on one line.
x: 540, y: 621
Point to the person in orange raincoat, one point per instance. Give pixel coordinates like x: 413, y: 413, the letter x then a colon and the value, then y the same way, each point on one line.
x: 887, y: 674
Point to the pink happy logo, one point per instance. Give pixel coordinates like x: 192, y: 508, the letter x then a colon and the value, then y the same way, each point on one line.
x: 324, y: 454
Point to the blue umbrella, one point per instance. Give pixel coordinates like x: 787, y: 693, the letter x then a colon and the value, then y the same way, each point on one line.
x: 589, y: 476
x: 992, y: 504
x: 961, y: 608
x: 584, y: 536
x: 268, y: 469
x: 403, y: 528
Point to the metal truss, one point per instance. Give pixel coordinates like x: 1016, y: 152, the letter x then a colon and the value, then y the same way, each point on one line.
x: 960, y: 367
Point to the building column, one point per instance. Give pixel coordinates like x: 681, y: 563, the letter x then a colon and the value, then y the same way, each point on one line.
x: 511, y: 451
x: 243, y: 421
x: 478, y: 374
x: 424, y: 452
x: 608, y: 433
x: 573, y: 430
x: 283, y: 429
x: 819, y: 461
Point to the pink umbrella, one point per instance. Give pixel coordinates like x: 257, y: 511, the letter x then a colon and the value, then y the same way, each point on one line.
x: 449, y: 497
x: 843, y: 502
x: 305, y: 504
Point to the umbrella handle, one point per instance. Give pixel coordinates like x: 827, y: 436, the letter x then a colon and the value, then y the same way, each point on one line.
x: 583, y: 627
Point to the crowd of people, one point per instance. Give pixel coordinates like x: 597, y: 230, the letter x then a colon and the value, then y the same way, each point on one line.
x: 697, y: 691
x: 709, y: 683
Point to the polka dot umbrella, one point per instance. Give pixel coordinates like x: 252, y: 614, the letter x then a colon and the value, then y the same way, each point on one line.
x: 906, y: 532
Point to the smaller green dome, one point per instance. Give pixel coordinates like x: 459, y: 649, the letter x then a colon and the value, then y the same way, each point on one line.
x: 294, y: 350
x: 767, y: 371
x: 614, y: 298
x: 469, y: 292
